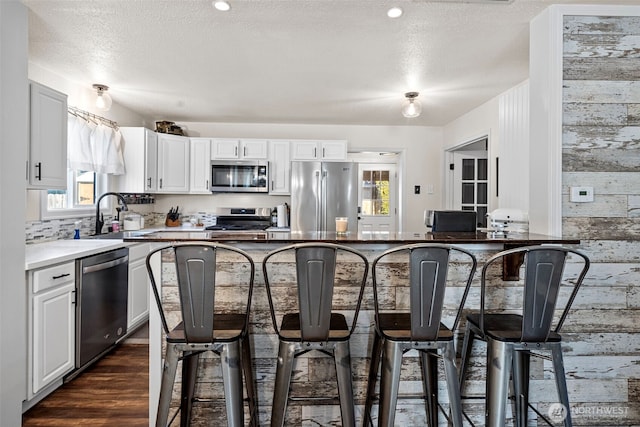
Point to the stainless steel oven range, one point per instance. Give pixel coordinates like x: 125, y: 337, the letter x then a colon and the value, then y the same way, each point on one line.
x: 101, y: 309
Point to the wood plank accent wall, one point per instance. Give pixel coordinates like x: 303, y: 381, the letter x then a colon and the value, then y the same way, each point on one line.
x: 601, y: 148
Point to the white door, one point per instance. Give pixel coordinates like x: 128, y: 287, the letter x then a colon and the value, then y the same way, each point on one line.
x: 377, y: 197
x: 470, y: 183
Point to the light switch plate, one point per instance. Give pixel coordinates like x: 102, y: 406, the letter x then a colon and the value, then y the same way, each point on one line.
x: 581, y: 194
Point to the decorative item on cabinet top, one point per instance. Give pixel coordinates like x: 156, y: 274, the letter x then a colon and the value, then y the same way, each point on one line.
x: 138, y: 199
x: 169, y: 127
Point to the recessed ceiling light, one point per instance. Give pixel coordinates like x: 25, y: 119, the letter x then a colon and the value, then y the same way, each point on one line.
x: 394, y: 12
x: 222, y: 6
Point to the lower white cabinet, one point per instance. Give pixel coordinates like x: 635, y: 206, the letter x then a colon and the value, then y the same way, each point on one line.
x: 138, y: 304
x: 52, y: 323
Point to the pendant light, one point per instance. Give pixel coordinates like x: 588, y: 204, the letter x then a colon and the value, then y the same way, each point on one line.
x: 411, y: 106
x: 103, y: 100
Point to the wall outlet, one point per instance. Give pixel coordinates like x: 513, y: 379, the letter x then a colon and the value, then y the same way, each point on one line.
x: 416, y: 189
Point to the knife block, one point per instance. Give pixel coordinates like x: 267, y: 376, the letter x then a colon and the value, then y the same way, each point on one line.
x: 171, y: 222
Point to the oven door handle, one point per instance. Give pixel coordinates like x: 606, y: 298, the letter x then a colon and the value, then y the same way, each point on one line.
x: 105, y: 265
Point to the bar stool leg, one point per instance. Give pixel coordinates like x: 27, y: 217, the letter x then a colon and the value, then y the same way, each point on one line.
x: 376, y: 352
x: 284, y: 368
x: 189, y: 376
x: 451, y: 373
x: 499, y: 357
x: 430, y: 383
x: 561, y: 381
x: 342, y: 356
x: 166, y: 388
x: 249, y: 380
x: 232, y: 380
x: 467, y: 346
x: 521, y: 386
x: 389, y: 383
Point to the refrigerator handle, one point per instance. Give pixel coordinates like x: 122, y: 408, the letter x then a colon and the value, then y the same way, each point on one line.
x: 319, y: 219
x: 323, y: 204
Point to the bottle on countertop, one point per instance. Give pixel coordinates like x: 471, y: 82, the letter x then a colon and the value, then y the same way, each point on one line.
x: 76, y: 234
x: 274, y: 217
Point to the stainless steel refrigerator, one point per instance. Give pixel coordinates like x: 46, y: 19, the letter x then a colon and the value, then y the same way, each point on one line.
x: 322, y: 191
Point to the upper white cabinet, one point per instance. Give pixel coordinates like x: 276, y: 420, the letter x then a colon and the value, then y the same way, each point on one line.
x: 140, y: 152
x: 173, y: 163
x: 47, y: 163
x: 279, y: 167
x: 235, y: 148
x: 200, y: 166
x: 319, y: 150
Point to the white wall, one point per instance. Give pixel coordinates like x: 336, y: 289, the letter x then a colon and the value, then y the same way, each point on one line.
x: 479, y: 122
x: 83, y: 96
x: 14, y: 95
x: 421, y: 148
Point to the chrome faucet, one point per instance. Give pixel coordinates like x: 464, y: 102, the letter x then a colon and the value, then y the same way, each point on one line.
x: 100, y: 217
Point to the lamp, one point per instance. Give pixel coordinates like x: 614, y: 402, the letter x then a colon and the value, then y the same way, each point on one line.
x: 411, y: 106
x: 103, y: 100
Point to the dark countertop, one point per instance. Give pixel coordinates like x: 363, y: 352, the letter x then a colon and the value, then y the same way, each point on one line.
x: 516, y: 239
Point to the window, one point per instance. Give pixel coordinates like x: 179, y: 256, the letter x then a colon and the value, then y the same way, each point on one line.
x: 375, y: 192
x: 83, y: 187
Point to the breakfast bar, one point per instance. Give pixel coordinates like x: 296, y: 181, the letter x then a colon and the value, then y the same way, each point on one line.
x: 316, y: 374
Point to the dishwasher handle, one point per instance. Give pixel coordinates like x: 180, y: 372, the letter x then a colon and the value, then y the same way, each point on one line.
x: 105, y: 265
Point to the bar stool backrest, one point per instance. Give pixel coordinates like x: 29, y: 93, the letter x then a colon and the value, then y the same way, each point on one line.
x: 428, y: 269
x: 543, y: 277
x: 428, y: 278
x: 316, y: 275
x: 196, y: 277
x: 315, y: 268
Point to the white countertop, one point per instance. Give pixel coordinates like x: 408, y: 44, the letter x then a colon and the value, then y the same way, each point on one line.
x: 40, y: 255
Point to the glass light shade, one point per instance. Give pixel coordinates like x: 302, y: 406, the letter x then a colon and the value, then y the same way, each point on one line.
x: 103, y: 101
x: 411, y: 108
x: 222, y: 6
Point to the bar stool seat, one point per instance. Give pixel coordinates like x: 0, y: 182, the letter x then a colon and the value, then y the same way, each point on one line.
x: 511, y: 337
x: 207, y: 323
x: 420, y: 328
x: 311, y: 320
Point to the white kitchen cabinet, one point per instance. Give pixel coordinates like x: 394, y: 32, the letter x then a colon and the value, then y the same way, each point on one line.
x: 52, y: 325
x: 140, y: 152
x: 138, y: 295
x: 280, y: 167
x: 239, y: 149
x: 200, y: 166
x: 47, y: 159
x: 319, y: 150
x: 173, y: 163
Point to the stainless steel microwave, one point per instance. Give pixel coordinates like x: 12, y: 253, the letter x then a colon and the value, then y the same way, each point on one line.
x: 237, y: 176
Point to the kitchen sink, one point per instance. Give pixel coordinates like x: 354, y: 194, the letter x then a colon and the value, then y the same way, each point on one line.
x: 117, y: 235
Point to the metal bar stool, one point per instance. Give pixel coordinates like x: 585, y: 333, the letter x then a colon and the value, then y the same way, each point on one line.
x: 511, y: 338
x: 208, y: 321
x: 420, y: 328
x: 314, y: 324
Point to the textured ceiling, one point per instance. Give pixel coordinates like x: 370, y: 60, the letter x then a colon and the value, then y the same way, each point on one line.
x: 287, y: 61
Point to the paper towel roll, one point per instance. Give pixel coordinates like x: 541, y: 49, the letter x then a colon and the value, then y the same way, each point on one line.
x: 283, y: 216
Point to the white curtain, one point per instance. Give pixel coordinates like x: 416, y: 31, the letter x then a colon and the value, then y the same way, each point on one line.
x: 94, y: 147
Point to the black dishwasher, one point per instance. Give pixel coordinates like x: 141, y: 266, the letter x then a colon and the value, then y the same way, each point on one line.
x: 101, y: 316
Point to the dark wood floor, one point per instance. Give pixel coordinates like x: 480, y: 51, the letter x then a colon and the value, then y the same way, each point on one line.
x: 113, y: 392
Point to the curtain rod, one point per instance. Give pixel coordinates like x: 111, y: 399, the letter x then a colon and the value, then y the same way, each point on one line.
x: 87, y: 115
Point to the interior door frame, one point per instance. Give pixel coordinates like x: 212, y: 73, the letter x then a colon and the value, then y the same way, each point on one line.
x: 491, y: 171
x: 367, y: 155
